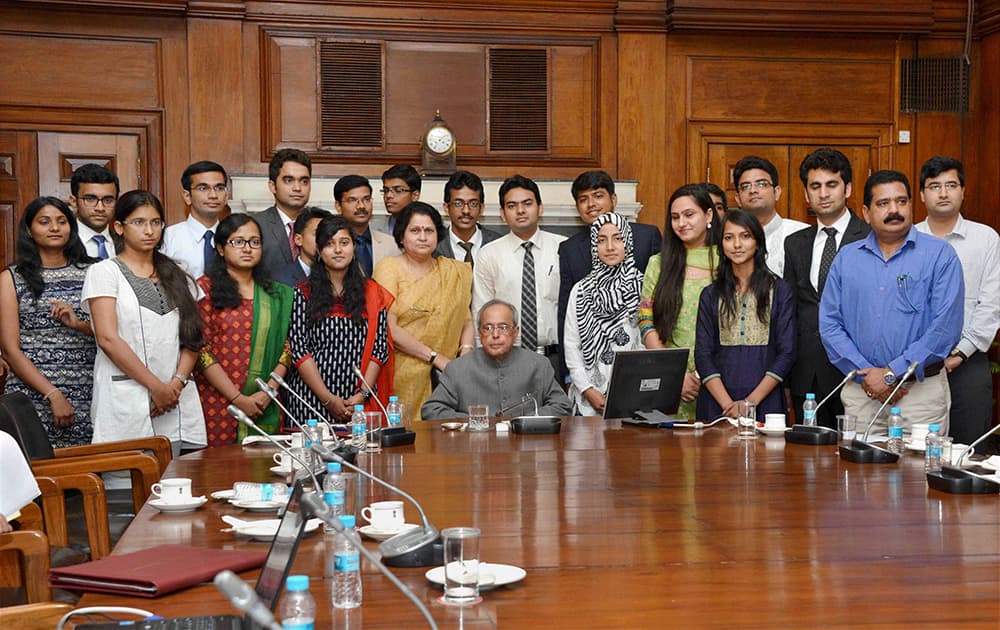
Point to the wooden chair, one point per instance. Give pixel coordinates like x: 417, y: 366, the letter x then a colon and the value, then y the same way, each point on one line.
x: 95, y: 510
x: 43, y: 616
x: 31, y: 548
x: 19, y: 418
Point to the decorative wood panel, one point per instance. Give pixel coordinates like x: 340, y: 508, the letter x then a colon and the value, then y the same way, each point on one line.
x: 573, y: 122
x: 892, y: 17
x: 292, y: 93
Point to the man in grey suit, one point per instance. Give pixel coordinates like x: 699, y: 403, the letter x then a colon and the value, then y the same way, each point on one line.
x: 289, y: 175
x: 305, y: 237
x: 826, y: 175
x: 464, y: 203
x: 353, y: 197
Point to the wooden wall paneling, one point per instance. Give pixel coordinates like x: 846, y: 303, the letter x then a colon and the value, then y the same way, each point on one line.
x: 18, y: 185
x: 986, y: 125
x: 575, y: 107
x: 60, y: 153
x: 256, y: 95
x: 292, y: 96
x: 889, y: 17
x: 215, y: 80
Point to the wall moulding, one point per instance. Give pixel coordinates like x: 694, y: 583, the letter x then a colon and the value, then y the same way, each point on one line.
x: 897, y: 17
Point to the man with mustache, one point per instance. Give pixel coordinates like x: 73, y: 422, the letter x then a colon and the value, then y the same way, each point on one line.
x: 891, y: 299
x: 353, y: 197
x: 464, y: 202
x: 942, y: 189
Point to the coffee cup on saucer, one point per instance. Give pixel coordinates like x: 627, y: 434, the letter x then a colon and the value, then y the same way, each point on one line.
x: 774, y: 421
x: 176, y: 490
x: 918, y: 431
x: 386, y: 516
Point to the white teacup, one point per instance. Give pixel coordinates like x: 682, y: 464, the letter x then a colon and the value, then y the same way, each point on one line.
x: 386, y: 516
x: 919, y: 431
x: 774, y: 421
x: 285, y: 461
x: 176, y: 490
x: 297, y: 440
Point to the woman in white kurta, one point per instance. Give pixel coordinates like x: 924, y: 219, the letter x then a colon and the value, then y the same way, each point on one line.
x: 602, y: 313
x: 148, y: 332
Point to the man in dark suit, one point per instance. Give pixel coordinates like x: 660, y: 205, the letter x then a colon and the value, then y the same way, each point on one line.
x: 464, y: 201
x: 289, y: 177
x: 305, y: 237
x: 826, y: 175
x: 594, y: 193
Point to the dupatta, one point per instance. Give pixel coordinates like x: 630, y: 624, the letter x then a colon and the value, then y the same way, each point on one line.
x: 271, y: 314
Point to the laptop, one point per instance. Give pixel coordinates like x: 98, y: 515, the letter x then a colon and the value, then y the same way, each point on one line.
x: 270, y: 583
x: 645, y: 386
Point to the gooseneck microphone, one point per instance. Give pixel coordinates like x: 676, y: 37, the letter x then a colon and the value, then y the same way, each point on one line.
x: 237, y: 413
x: 317, y: 507
x: 814, y: 434
x: 952, y: 478
x: 860, y: 451
x: 372, y: 390
x: 836, y: 389
x: 907, y: 374
x: 413, y: 547
x: 273, y: 395
x: 245, y: 598
x: 322, y: 417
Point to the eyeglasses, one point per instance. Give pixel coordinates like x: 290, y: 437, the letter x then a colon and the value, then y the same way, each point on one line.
x: 760, y: 184
x: 204, y: 188
x: 459, y: 204
x: 240, y: 243
x: 91, y: 201
x: 396, y: 190
x: 949, y: 186
x: 503, y: 329
x: 156, y: 224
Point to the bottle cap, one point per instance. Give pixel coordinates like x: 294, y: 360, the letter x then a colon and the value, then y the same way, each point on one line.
x: 810, y: 396
x: 297, y: 583
x: 393, y: 398
x: 934, y: 427
x: 333, y: 467
x: 894, y: 411
x: 347, y: 520
x: 312, y: 422
x: 359, y: 407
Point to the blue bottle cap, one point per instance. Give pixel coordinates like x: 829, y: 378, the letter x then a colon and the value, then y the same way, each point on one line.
x: 312, y: 422
x: 297, y: 583
x: 333, y: 467
x: 359, y: 407
x: 393, y: 398
x: 810, y: 396
x: 347, y: 520
x: 934, y: 427
x: 894, y: 411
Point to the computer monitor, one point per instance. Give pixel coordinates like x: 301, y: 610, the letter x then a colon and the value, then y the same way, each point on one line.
x: 646, y: 384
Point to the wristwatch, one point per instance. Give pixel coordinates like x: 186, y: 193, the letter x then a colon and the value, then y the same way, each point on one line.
x: 433, y: 356
x: 958, y: 353
x: 889, y: 377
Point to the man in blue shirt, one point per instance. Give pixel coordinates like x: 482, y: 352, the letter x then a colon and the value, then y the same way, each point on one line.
x: 890, y: 299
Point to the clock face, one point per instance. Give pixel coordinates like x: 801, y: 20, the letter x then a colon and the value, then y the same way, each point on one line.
x: 439, y: 140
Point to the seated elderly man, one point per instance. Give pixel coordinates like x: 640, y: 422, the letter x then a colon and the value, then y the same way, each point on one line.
x: 497, y: 374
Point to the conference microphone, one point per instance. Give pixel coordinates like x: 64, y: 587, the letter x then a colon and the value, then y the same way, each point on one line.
x: 956, y: 480
x: 411, y: 548
x: 391, y: 435
x: 273, y: 395
x: 372, y: 390
x: 814, y: 434
x: 314, y: 505
x: 237, y: 413
x: 245, y: 598
x: 860, y: 451
x: 319, y: 416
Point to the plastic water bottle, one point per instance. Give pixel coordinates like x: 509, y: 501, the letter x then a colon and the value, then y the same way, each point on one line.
x: 346, y: 567
x: 298, y: 608
x: 395, y: 410
x: 250, y: 491
x: 895, y: 443
x: 809, y: 410
x: 311, y: 435
x: 359, y: 428
x: 932, y: 456
x: 334, y: 487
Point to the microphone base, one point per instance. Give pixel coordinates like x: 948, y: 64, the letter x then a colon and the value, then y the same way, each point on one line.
x: 430, y: 555
x: 811, y: 435
x: 957, y: 481
x: 397, y: 436
x: 536, y: 425
x: 348, y: 452
x: 860, y: 452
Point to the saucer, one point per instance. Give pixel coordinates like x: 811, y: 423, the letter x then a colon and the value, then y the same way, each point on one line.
x: 224, y: 495
x: 502, y: 574
x: 281, y: 471
x: 264, y: 531
x: 377, y: 534
x: 259, y: 506
x: 767, y: 431
x: 914, y: 445
x: 178, y: 508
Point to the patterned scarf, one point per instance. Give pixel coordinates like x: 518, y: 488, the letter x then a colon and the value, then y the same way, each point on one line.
x: 607, y: 298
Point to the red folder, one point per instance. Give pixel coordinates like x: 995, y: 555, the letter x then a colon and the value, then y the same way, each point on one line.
x: 153, y: 572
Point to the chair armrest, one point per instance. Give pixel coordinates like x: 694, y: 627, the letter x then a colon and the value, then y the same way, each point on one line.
x: 31, y: 518
x: 95, y: 510
x: 145, y: 469
x: 33, y: 548
x: 158, y: 445
x: 43, y: 616
x: 54, y: 510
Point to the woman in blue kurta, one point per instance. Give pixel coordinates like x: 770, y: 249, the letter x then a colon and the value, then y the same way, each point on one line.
x: 745, y: 340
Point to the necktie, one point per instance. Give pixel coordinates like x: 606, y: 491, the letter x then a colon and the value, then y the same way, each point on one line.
x: 468, y: 252
x: 829, y: 251
x: 363, y: 252
x: 208, y: 249
x: 291, y: 241
x: 529, y: 313
x: 102, y: 251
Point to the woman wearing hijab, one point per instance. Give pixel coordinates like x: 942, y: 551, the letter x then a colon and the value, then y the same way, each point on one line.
x: 601, y: 316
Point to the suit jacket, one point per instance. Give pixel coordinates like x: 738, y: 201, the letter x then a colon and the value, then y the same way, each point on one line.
x: 383, y: 246
x: 574, y: 265
x: 277, y: 254
x: 445, y: 249
x: 290, y: 275
x: 812, y: 362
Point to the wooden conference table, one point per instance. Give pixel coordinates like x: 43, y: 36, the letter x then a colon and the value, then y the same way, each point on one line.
x: 643, y: 528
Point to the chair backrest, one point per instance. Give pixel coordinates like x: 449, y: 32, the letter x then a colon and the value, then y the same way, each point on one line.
x: 19, y: 418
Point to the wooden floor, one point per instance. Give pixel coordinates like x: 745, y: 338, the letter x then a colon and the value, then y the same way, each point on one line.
x: 644, y: 528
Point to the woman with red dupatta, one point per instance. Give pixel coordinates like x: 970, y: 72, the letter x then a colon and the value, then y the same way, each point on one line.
x: 340, y: 321
x: 246, y: 333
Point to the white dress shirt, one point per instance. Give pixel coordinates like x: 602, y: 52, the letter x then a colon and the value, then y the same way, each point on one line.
x: 87, y: 238
x: 775, y: 233
x: 978, y: 248
x: 498, y: 276
x: 185, y: 243
x: 459, y: 251
x: 841, y: 226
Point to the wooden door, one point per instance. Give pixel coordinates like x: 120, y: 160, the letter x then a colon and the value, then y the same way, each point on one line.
x: 18, y: 184
x: 59, y: 154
